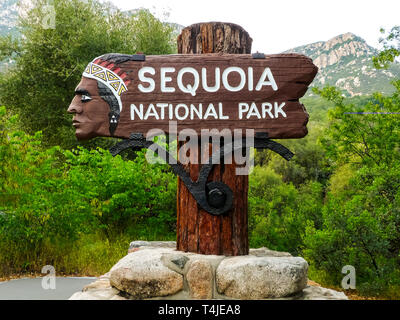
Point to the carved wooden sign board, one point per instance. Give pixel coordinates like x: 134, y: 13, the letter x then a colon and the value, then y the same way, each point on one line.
x: 123, y: 94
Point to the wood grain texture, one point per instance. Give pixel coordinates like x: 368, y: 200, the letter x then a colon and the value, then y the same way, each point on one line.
x: 214, y: 37
x: 292, y: 73
x: 197, y: 230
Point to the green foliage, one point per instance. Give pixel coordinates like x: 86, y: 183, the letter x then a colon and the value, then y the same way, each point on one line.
x: 123, y: 194
x: 317, y: 108
x: 151, y: 36
x: 340, y: 180
x: 37, y: 201
x: 361, y: 228
x: 51, y: 198
x: 369, y: 138
x: 49, y: 62
x: 337, y: 202
x: 391, y: 48
x: 308, y: 164
x: 361, y: 220
x: 279, y: 213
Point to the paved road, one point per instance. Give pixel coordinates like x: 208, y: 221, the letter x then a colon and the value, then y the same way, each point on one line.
x: 31, y: 288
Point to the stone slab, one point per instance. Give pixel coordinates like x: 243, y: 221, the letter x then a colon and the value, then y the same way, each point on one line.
x: 252, y: 277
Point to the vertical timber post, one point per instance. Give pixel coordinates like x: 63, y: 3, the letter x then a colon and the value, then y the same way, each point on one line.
x: 197, y: 230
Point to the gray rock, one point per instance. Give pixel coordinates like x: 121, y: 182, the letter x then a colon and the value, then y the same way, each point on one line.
x: 100, y: 294
x: 155, y: 270
x: 213, y: 260
x: 143, y: 275
x: 315, y: 293
x: 320, y: 293
x: 200, y: 279
x: 251, y: 277
x: 175, y: 260
x: 265, y: 252
x: 164, y: 273
x: 138, y: 243
x: 99, y: 284
x: 135, y: 245
x: 180, y: 261
x: 105, y: 276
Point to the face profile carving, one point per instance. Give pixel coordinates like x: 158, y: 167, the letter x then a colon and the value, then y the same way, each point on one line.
x: 97, y: 103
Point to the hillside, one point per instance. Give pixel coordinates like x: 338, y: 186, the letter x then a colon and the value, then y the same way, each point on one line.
x: 346, y: 62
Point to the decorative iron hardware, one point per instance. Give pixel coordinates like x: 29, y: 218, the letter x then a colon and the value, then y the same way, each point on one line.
x: 215, y: 197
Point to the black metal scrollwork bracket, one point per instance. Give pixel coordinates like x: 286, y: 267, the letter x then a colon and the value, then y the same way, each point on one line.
x: 215, y: 197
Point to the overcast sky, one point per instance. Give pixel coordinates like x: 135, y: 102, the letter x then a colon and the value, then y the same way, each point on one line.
x: 279, y: 25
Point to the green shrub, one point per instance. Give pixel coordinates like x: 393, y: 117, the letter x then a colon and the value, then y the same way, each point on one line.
x: 279, y: 213
x: 123, y: 194
x: 51, y: 198
x: 360, y: 228
x: 361, y: 216
x: 38, y: 204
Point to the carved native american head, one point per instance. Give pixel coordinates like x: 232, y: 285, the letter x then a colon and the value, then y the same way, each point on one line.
x: 97, y: 100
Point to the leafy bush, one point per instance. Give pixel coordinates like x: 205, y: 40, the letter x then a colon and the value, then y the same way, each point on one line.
x: 36, y: 200
x: 279, y: 213
x: 51, y: 198
x: 308, y: 164
x: 123, y: 194
x: 360, y: 228
x: 361, y: 222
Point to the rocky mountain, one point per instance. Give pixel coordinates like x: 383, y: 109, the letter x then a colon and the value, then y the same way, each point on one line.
x: 346, y: 62
x: 176, y: 27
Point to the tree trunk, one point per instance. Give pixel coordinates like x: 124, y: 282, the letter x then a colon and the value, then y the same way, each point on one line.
x: 197, y: 230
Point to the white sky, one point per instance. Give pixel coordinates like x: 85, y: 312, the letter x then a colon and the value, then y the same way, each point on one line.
x: 279, y: 25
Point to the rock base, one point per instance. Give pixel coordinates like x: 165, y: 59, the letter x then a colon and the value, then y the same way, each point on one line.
x: 155, y: 270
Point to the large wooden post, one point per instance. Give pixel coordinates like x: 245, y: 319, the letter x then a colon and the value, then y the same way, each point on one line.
x: 197, y: 230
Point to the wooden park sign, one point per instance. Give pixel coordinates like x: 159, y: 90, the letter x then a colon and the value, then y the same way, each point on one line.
x: 210, y: 91
x: 223, y: 88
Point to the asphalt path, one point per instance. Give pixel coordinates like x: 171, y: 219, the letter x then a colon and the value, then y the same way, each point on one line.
x: 34, y: 288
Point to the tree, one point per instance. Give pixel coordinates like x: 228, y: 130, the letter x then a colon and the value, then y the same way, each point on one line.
x: 279, y: 213
x: 391, y: 50
x: 363, y: 134
x: 361, y: 216
x: 49, y: 62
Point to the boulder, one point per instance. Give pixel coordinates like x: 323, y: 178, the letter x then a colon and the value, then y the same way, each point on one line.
x: 200, y: 279
x: 98, y: 290
x: 139, y: 244
x: 320, y: 293
x: 156, y: 270
x: 175, y: 261
x: 142, y: 275
x: 265, y: 252
x: 252, y: 277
